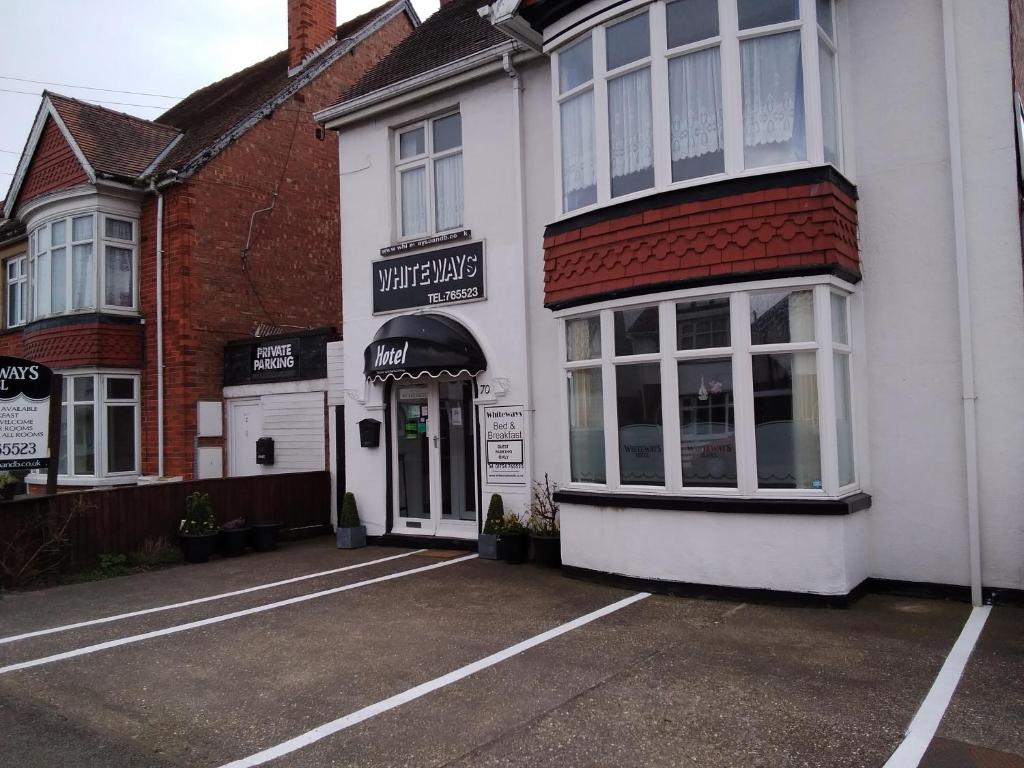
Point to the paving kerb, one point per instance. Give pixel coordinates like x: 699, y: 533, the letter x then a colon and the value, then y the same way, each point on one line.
x: 661, y: 685
x: 213, y: 695
x: 988, y: 707
x: 25, y: 611
x: 45, y: 645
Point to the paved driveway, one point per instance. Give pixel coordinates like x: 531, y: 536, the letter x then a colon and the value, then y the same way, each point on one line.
x: 430, y: 659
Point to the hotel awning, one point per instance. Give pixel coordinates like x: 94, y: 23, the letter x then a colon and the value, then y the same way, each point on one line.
x: 411, y: 346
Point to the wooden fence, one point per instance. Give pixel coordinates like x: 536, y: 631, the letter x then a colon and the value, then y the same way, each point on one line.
x: 120, y: 520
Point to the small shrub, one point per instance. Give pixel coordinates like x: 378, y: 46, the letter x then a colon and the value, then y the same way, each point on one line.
x: 544, y: 509
x: 513, y: 525
x: 234, y: 525
x: 8, y: 479
x: 113, y: 565
x: 198, y: 515
x: 495, y: 514
x: 349, y: 512
x: 154, y: 552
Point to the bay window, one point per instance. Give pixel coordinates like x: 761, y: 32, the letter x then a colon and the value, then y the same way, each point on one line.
x: 77, y: 267
x: 99, y: 425
x: 429, y: 176
x: 695, y: 90
x: 745, y: 392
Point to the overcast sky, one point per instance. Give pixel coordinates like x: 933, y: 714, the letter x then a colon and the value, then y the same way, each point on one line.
x: 170, y: 49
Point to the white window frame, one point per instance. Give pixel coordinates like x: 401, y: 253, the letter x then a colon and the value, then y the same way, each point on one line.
x: 425, y: 160
x: 100, y: 403
x: 39, y: 241
x: 728, y: 42
x: 18, y: 283
x: 740, y: 352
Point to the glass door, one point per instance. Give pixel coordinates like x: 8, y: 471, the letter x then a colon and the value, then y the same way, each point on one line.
x: 434, y: 455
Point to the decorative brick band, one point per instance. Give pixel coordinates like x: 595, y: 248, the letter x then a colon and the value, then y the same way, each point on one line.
x: 801, y: 225
x: 53, y: 167
x: 84, y: 341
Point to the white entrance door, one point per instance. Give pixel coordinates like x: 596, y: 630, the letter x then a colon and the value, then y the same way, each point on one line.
x: 434, y: 456
x: 245, y: 426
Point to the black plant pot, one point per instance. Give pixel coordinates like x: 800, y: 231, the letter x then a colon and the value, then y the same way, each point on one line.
x: 263, y: 536
x: 514, y: 547
x: 547, y: 550
x: 234, y: 541
x: 197, y: 547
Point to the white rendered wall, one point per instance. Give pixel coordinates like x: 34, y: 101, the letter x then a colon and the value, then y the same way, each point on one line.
x: 491, y: 212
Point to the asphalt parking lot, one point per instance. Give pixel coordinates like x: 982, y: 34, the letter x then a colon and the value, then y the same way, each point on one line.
x: 463, y: 662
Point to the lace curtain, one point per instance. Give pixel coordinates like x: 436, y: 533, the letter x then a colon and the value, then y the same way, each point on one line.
x: 83, y: 277
x: 118, y: 276
x: 629, y: 123
x: 695, y: 99
x: 448, y: 192
x: 772, y: 89
x: 414, y: 201
x: 578, y: 172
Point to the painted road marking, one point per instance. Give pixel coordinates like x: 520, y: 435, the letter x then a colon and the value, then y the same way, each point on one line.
x: 926, y: 721
x: 419, y: 691
x: 222, y: 596
x: 224, y: 617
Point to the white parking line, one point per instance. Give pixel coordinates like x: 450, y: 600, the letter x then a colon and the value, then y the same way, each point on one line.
x: 225, y: 617
x: 926, y: 721
x: 412, y: 694
x: 221, y: 596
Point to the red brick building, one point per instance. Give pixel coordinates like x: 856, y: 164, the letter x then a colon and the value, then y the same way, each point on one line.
x: 163, y: 241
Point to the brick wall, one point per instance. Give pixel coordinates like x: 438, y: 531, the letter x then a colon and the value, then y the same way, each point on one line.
x: 54, y: 165
x: 91, y: 343
x: 293, y: 274
x: 310, y: 23
x: 735, y: 236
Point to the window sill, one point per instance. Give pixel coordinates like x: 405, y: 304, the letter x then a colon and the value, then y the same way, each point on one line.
x: 84, y: 317
x: 763, y: 506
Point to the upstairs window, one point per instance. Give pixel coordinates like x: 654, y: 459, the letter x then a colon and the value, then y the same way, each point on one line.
x: 687, y: 91
x: 16, y: 272
x: 429, y: 176
x: 65, y: 274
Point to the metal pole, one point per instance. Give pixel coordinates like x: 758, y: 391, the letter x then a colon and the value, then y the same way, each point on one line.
x: 56, y: 391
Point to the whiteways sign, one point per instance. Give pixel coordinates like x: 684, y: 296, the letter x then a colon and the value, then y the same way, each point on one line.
x: 504, y: 439
x: 24, y: 414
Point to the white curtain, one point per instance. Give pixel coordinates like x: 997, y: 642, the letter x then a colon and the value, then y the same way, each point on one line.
x: 118, y: 276
x: 414, y: 201
x: 448, y: 192
x: 771, y: 88
x: 578, y: 172
x: 59, y: 278
x: 695, y: 103
x: 42, y: 280
x: 629, y: 123
x: 83, y: 277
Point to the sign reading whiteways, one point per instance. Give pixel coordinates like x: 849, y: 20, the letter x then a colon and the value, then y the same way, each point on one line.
x: 443, y: 276
x: 24, y: 414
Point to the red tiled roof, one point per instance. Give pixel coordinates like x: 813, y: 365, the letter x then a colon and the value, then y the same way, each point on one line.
x: 209, y: 113
x: 454, y: 32
x: 113, y: 142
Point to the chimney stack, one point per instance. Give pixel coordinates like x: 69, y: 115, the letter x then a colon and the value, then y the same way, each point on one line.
x: 311, y: 23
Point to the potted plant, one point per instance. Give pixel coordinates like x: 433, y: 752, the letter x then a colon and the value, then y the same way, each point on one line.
x: 487, y: 545
x: 514, y: 542
x: 263, y: 536
x: 8, y: 485
x: 198, y: 529
x: 234, y: 535
x: 543, y: 524
x: 351, y: 535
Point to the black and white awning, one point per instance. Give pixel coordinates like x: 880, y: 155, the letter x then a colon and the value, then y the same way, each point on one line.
x: 411, y: 346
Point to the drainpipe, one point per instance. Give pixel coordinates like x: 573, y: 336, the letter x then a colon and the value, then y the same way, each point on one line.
x: 159, y: 327
x: 517, y: 121
x: 963, y: 298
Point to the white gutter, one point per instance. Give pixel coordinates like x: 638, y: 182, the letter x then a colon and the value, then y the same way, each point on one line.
x: 436, y: 80
x: 963, y: 298
x: 520, y: 182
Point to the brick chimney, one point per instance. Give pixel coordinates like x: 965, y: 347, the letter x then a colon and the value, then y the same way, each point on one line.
x: 311, y: 23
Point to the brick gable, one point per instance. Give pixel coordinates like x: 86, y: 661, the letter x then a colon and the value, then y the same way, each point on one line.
x: 53, y: 166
